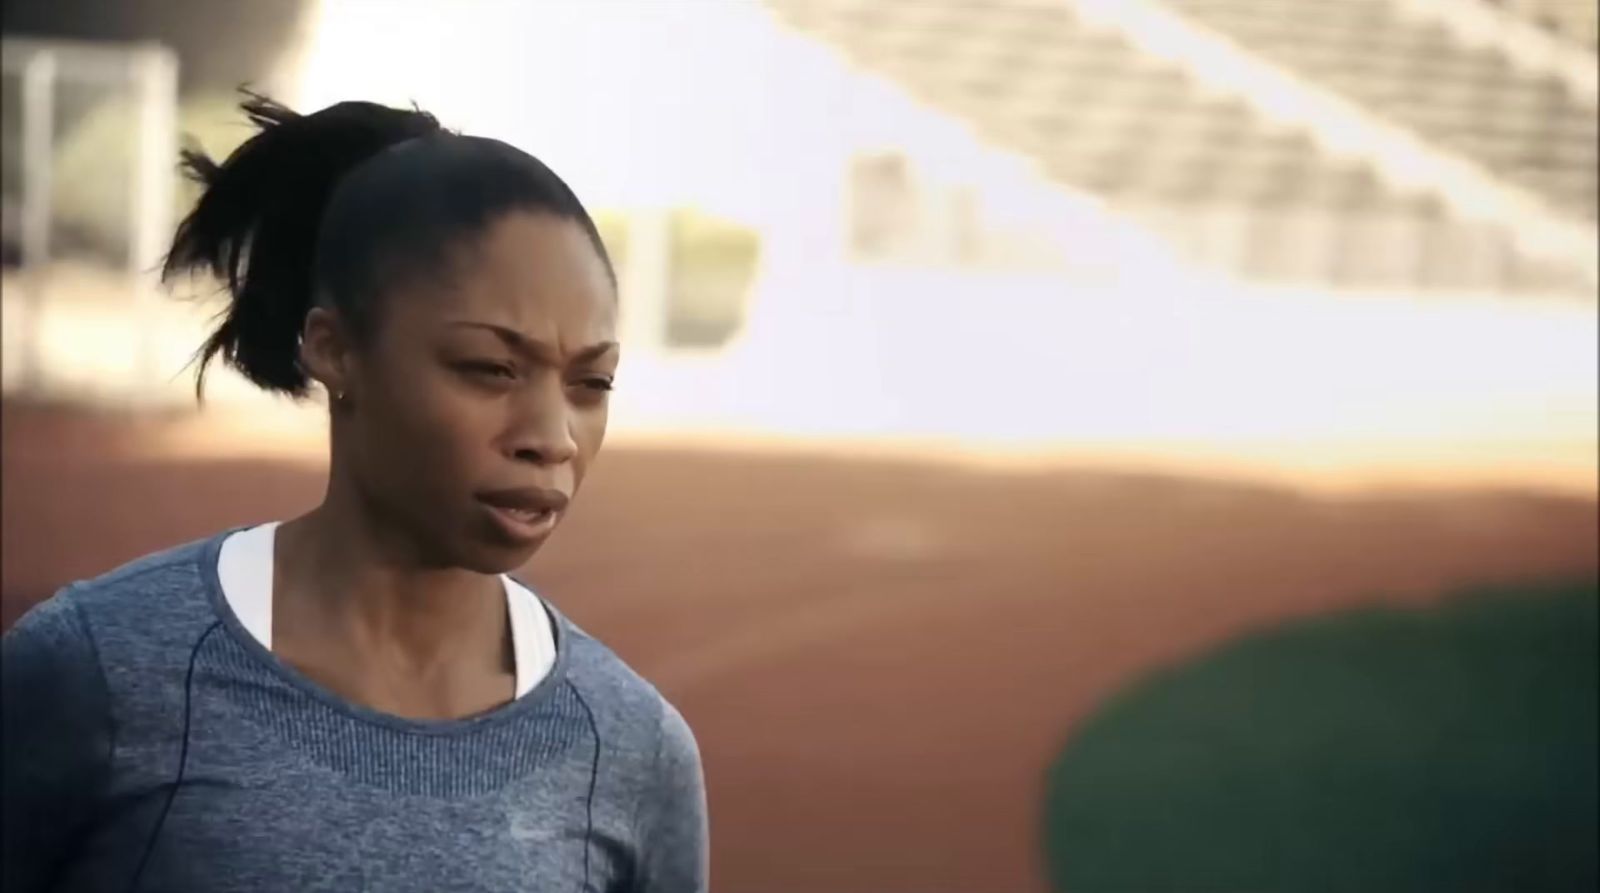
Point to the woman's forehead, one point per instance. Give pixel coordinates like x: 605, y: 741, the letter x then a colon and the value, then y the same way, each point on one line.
x: 533, y: 272
x: 535, y: 252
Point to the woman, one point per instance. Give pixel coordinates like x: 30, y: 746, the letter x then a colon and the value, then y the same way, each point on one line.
x: 360, y: 698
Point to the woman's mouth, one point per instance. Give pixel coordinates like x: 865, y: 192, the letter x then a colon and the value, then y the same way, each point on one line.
x: 521, y: 524
x: 525, y: 514
x: 528, y: 516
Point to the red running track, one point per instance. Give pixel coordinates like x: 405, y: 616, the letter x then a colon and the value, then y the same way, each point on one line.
x: 879, y: 658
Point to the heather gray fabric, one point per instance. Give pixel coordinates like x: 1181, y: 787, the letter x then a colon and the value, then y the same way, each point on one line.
x: 591, y: 781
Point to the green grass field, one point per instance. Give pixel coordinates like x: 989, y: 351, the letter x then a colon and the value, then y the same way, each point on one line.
x: 1452, y: 748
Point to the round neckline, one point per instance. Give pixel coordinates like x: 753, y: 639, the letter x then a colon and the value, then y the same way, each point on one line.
x: 511, y: 710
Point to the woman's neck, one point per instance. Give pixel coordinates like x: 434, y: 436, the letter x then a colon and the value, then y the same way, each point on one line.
x: 365, y: 589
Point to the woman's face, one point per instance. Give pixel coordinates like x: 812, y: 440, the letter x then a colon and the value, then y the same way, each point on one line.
x: 474, y: 410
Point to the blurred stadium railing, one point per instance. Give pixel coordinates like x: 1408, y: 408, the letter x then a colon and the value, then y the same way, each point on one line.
x: 1128, y: 102
x: 1577, y: 21
x: 90, y: 136
x: 1201, y: 222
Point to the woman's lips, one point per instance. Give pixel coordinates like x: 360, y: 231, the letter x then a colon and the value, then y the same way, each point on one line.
x: 525, y: 513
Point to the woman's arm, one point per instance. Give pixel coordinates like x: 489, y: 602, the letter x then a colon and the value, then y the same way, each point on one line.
x: 57, y: 740
x: 674, y: 847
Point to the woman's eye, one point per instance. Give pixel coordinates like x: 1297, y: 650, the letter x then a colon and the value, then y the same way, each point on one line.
x: 487, y: 369
x: 597, y: 383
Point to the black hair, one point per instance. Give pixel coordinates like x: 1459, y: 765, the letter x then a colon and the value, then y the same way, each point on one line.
x: 332, y: 207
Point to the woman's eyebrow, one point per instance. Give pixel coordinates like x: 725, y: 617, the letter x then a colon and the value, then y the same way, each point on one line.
x: 542, y: 349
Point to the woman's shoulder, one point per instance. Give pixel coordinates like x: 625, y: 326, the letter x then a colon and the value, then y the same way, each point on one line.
x: 619, y: 696
x: 185, y: 560
x: 160, y: 596
x: 594, y: 668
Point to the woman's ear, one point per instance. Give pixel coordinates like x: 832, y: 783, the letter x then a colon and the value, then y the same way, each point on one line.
x: 325, y: 352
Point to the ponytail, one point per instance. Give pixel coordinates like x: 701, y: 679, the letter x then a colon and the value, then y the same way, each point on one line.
x: 256, y: 226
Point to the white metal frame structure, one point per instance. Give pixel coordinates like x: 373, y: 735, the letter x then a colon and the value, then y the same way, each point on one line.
x: 42, y: 67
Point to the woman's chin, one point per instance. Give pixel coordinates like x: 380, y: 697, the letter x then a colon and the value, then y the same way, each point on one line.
x: 497, y: 558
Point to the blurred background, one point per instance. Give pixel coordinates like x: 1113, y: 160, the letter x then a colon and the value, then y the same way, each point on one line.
x: 1061, y: 444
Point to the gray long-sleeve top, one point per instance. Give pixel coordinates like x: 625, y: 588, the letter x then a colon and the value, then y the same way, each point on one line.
x: 148, y: 737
